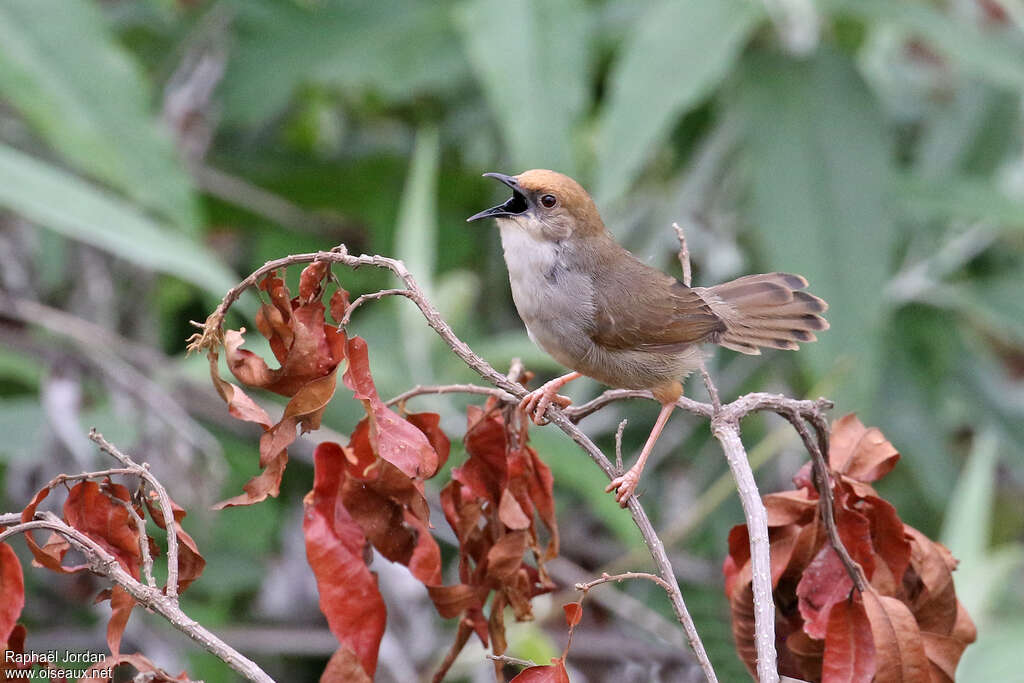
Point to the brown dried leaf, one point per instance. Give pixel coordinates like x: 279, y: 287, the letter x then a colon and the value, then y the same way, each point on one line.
x: 858, y: 452
x: 451, y: 601
x: 506, y: 556
x: 899, y: 648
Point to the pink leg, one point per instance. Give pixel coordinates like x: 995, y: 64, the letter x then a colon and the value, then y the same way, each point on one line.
x: 536, y: 403
x: 626, y: 484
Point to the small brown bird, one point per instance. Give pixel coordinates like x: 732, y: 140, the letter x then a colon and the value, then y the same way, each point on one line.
x: 595, y: 308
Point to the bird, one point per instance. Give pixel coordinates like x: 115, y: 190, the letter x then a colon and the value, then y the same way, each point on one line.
x: 601, y: 312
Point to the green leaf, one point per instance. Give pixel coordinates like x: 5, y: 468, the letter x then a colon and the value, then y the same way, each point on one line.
x: 961, y: 197
x: 416, y: 245
x: 819, y: 163
x: 395, y: 49
x: 63, y: 70
x: 677, y: 53
x: 531, y: 60
x: 968, y: 527
x: 992, y: 55
x: 78, y: 210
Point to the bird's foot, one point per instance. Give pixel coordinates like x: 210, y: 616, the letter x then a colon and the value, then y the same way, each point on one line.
x: 626, y: 485
x: 536, y: 403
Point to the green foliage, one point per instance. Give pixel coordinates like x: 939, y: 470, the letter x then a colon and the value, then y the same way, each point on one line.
x: 884, y: 165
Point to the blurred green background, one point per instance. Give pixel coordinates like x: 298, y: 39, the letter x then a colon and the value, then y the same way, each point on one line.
x: 153, y: 152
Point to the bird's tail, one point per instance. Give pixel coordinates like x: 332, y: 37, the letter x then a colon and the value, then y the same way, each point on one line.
x: 767, y: 310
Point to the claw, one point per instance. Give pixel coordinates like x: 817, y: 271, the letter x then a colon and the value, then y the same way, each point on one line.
x: 626, y: 485
x: 535, y: 404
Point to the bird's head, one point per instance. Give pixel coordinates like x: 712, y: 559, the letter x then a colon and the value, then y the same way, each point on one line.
x: 546, y: 204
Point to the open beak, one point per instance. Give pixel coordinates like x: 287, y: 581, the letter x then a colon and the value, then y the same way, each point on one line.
x: 516, y: 204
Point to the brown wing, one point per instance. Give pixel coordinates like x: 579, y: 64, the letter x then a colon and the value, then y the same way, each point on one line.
x: 652, y: 311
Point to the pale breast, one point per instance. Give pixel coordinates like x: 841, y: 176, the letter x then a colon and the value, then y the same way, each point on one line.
x: 554, y: 300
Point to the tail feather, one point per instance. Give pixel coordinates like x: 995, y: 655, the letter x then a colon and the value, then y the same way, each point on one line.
x: 767, y: 310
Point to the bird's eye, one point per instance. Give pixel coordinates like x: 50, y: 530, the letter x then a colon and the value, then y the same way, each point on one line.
x: 548, y: 201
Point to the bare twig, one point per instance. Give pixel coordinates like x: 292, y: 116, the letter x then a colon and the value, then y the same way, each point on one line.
x: 514, y: 661
x: 618, y: 446
x: 103, y: 563
x: 727, y: 431
x: 826, y: 503
x: 369, y: 297
x: 165, y: 507
x: 684, y: 255
x: 420, y: 390
x: 140, y: 526
x: 618, y: 578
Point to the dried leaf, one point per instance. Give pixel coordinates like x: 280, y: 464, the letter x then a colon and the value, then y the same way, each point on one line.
x: 899, y: 648
x: 121, y: 604
x: 344, y: 667
x: 392, y: 438
x: 858, y: 452
x: 849, y: 649
x: 12, y: 590
x: 506, y: 556
x: 349, y: 596
x: 190, y: 562
x: 552, y: 673
x: 511, y: 513
x: 451, y: 601
x: 90, y: 509
x: 573, y: 613
x: 266, y: 483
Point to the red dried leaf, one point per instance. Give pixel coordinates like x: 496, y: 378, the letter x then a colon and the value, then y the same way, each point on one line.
x: 451, y: 601
x: 302, y: 342
x: 90, y: 509
x: 573, y: 613
x: 552, y: 673
x: 12, y: 590
x: 349, y: 596
x: 121, y: 604
x: 425, y: 563
x: 824, y: 583
x: 392, y: 438
x: 52, y: 554
x: 266, y: 483
x: 190, y: 562
x: 898, y: 645
x: 344, y: 667
x: 849, y: 648
x: 430, y: 425
x: 858, y: 452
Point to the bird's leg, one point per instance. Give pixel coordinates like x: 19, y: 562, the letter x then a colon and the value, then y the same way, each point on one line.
x: 536, y: 403
x: 626, y: 484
